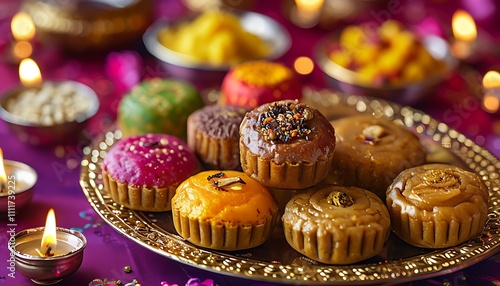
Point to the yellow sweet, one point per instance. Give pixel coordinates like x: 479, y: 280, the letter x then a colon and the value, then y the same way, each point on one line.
x: 215, y: 37
x: 389, y: 29
x: 391, y: 55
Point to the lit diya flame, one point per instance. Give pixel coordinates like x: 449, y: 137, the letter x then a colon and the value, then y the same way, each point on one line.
x: 23, y: 30
x: 29, y: 73
x: 491, y: 82
x: 309, y: 6
x: 3, y: 175
x: 308, y: 12
x: 465, y: 33
x: 49, y: 239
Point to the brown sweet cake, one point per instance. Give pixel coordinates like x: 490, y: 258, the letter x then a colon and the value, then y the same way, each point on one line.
x: 336, y: 224
x: 224, y: 210
x: 286, y: 144
x: 142, y: 172
x: 437, y: 205
x: 213, y: 134
x: 372, y: 151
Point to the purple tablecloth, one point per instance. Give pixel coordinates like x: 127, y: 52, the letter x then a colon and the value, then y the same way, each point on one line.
x: 107, y: 251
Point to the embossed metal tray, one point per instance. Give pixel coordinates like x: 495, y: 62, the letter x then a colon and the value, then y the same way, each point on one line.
x: 275, y: 261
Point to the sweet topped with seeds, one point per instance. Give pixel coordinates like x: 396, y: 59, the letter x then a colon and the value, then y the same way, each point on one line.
x: 150, y: 159
x: 286, y: 121
x: 142, y: 172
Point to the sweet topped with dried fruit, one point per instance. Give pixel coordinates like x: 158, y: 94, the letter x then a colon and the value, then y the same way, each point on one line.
x: 336, y: 224
x: 372, y: 151
x: 286, y: 144
x: 224, y: 210
x: 286, y: 122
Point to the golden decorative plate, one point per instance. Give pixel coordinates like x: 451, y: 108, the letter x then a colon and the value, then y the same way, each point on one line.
x: 275, y: 261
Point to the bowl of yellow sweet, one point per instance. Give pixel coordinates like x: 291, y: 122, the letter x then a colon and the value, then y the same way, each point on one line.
x: 202, y: 48
x: 388, y: 62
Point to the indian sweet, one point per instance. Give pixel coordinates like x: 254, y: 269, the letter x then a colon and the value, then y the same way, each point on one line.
x: 286, y: 144
x: 437, y: 205
x: 142, y: 172
x: 213, y: 134
x: 253, y: 83
x: 158, y: 105
x: 224, y: 210
x: 372, y: 151
x: 336, y: 224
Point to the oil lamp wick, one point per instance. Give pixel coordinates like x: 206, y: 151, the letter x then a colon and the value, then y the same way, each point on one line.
x: 2, y: 186
x: 49, y: 252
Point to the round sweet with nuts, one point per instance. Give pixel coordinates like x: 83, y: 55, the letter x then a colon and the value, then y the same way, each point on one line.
x: 286, y: 144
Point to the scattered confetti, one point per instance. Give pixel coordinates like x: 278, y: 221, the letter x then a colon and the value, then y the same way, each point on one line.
x: 127, y: 269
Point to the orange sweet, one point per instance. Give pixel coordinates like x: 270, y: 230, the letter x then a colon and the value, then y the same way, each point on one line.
x: 225, y: 210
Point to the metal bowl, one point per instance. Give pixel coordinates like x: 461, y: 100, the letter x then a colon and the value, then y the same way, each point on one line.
x: 38, y: 134
x: 83, y: 25
x: 47, y: 270
x: 181, y: 66
x: 18, y: 191
x: 347, y: 81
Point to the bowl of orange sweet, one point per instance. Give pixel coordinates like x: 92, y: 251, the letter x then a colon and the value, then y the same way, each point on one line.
x: 388, y: 62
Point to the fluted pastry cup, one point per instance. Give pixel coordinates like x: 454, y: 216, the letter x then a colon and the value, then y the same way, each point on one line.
x: 211, y: 213
x: 437, y: 205
x: 336, y: 224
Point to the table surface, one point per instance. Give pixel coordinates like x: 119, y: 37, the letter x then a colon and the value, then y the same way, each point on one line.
x: 107, y: 251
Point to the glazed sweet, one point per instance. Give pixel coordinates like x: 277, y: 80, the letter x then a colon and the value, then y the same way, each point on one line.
x: 142, y: 172
x: 254, y: 83
x: 372, y: 151
x: 286, y: 144
x: 213, y: 134
x: 224, y: 210
x: 336, y: 224
x: 158, y: 106
x: 437, y: 205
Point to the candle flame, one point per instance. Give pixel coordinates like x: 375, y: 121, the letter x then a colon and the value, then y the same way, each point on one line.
x: 3, y: 175
x: 491, y: 80
x: 29, y: 73
x: 309, y: 5
x: 49, y: 239
x: 463, y: 26
x: 22, y: 27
